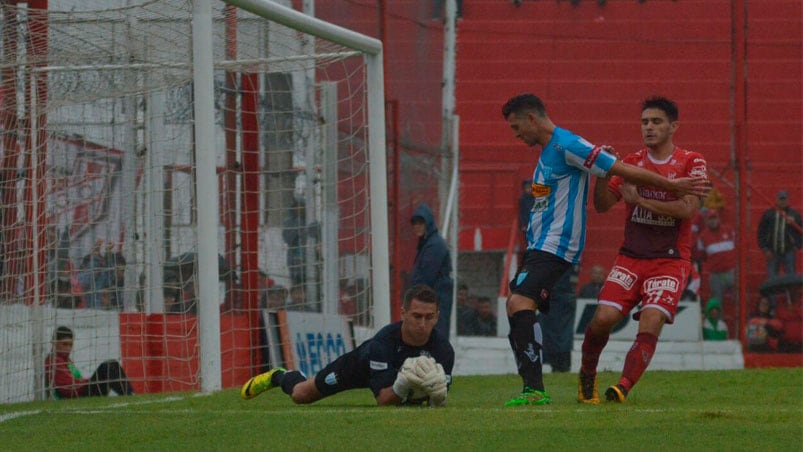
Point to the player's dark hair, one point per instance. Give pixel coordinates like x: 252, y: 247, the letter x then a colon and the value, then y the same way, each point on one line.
x: 62, y: 333
x: 524, y: 103
x: 663, y: 104
x: 420, y: 292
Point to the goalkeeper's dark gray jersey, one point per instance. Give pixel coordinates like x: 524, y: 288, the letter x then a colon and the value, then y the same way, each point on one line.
x: 375, y: 363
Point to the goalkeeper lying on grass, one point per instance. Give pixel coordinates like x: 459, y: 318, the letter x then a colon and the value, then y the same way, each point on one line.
x: 406, y: 362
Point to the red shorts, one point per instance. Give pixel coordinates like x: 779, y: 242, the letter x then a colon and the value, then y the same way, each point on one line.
x: 655, y: 283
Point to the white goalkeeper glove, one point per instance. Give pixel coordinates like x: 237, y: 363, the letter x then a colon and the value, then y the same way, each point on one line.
x: 407, y: 380
x: 434, y: 385
x: 401, y: 387
x: 424, y: 366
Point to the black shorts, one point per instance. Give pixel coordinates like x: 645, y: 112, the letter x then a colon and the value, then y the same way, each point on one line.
x: 342, y: 374
x: 537, y: 275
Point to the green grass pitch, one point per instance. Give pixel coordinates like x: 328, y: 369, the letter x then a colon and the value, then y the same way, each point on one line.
x: 747, y: 410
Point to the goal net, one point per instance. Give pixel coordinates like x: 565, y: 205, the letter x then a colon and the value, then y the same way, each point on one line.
x: 100, y: 179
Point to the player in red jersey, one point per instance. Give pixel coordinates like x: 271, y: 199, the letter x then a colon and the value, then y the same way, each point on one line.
x: 654, y: 261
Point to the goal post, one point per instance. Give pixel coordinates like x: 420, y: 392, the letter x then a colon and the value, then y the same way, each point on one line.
x: 197, y: 188
x: 372, y: 49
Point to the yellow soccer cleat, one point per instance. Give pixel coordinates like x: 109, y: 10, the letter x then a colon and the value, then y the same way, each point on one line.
x: 587, y: 389
x: 616, y: 393
x: 259, y: 384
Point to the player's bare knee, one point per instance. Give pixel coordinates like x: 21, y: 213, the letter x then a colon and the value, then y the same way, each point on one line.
x: 605, y: 319
x: 305, y: 393
x: 516, y: 303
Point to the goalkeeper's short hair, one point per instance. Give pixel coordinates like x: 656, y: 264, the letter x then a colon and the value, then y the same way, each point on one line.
x: 420, y: 292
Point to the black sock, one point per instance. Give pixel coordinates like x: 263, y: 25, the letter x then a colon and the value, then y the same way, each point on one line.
x: 287, y: 380
x: 526, y: 338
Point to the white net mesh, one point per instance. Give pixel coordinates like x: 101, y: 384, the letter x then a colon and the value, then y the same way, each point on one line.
x: 99, y: 212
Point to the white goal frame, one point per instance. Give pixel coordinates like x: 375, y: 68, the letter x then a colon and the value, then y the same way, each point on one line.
x: 207, y: 193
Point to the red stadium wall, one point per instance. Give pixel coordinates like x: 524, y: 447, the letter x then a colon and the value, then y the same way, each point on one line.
x: 161, y: 354
x: 594, y: 64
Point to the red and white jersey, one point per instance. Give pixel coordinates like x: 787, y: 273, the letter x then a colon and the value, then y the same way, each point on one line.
x: 649, y: 235
x: 719, y: 248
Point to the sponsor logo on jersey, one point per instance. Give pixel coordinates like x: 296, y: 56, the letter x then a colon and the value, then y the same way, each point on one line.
x: 540, y: 204
x: 592, y: 157
x: 698, y: 171
x: 378, y: 365
x: 644, y: 216
x: 653, y: 194
x: 540, y: 190
x: 622, y: 276
x: 331, y: 379
x: 661, y: 283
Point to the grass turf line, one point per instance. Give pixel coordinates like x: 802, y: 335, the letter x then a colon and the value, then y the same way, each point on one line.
x: 701, y: 410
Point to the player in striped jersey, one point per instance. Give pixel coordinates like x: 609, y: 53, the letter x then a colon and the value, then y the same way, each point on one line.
x: 556, y: 232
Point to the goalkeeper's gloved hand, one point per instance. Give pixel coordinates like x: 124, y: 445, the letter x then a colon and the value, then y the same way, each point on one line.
x: 408, y: 369
x: 424, y: 366
x: 401, y: 387
x: 437, y: 396
x: 434, y: 385
x: 407, y: 380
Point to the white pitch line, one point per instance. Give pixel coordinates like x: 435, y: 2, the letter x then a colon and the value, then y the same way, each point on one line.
x: 9, y: 416
x: 146, y: 402
x: 110, y: 409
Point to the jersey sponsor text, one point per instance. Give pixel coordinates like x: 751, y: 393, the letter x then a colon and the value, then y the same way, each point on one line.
x: 623, y: 277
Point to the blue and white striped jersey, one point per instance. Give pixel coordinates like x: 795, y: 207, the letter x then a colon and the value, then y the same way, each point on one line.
x: 560, y: 187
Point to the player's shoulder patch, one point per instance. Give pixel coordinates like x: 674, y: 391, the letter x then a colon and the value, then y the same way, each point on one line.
x: 696, y: 164
x: 378, y: 365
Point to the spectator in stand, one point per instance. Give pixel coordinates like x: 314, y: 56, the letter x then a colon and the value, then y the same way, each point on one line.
x: 717, y: 247
x: 116, y: 291
x: 265, y: 284
x: 298, y: 299
x: 299, y: 237
x: 275, y: 298
x: 346, y: 305
x: 591, y: 289
x: 481, y: 321
x: 102, y: 277
x: 433, y: 264
x: 465, y: 306
x: 789, y: 310
x: 65, y: 380
x: 558, y: 323
x: 93, y: 276
x: 59, y: 268
x: 779, y: 236
x: 763, y: 329
x: 714, y: 329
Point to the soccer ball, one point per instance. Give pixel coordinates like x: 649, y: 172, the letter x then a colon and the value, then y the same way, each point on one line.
x: 416, y: 396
